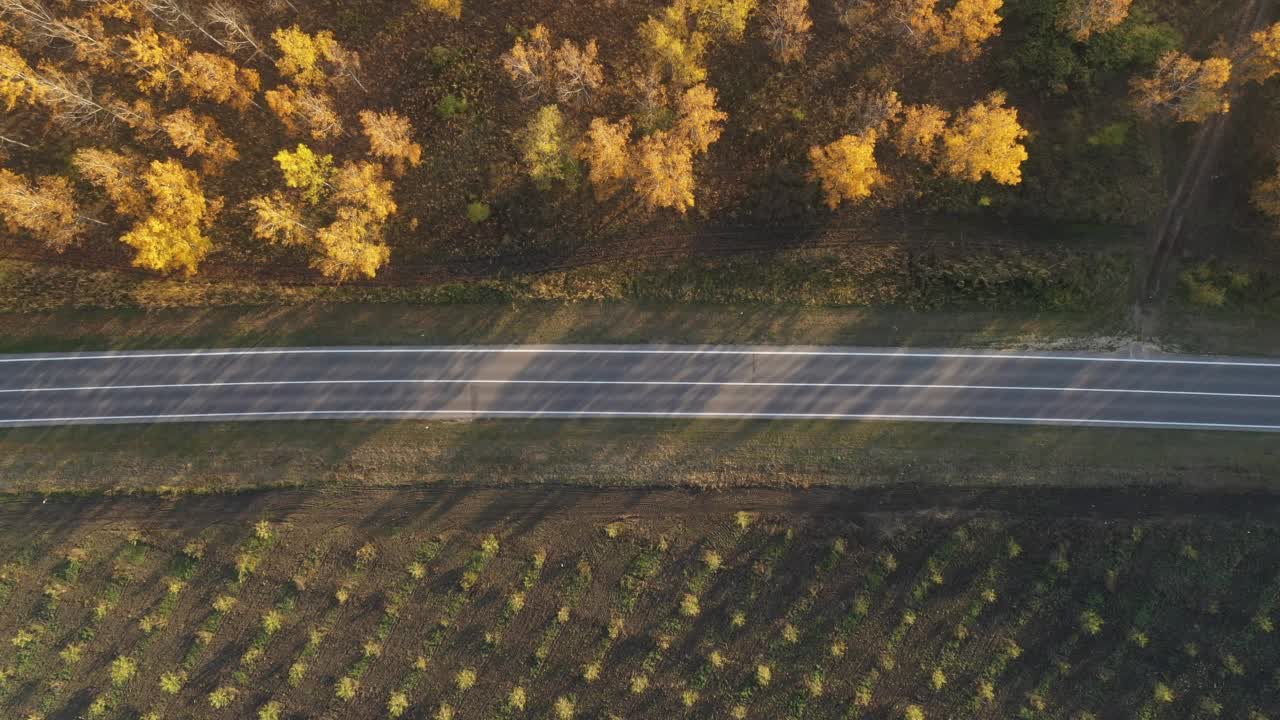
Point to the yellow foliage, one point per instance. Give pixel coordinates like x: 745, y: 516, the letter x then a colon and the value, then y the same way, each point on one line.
x: 117, y: 175
x: 47, y: 210
x: 786, y: 28
x: 846, y: 168
x: 217, y: 78
x: 352, y: 245
x: 17, y: 83
x: 305, y: 170
x: 391, y: 137
x: 698, y: 119
x: 1082, y: 18
x: 305, y: 109
x: 547, y: 153
x: 361, y: 184
x: 725, y: 19
x: 1187, y: 89
x: 450, y: 8
x: 985, y: 140
x: 664, y: 171
x: 199, y: 135
x: 163, y: 245
x: 1263, y: 58
x: 529, y: 62
x: 300, y: 54
x: 918, y: 134
x: 157, y: 59
x: 278, y: 220
x: 674, y: 46
x: 607, y: 154
x: 967, y: 25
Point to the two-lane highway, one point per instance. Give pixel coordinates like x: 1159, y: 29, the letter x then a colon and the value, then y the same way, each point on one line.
x: 639, y: 381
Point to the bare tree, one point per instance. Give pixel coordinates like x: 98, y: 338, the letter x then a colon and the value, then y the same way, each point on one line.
x: 786, y: 28
x: 236, y: 32
x: 577, y: 72
x: 177, y: 13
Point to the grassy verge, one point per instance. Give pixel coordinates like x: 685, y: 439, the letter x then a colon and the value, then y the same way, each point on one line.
x: 634, y: 453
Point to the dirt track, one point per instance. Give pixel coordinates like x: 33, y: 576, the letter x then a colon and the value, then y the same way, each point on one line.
x: 463, y: 506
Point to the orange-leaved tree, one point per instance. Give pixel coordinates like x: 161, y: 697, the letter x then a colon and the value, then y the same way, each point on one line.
x: 846, y: 169
x: 1184, y: 88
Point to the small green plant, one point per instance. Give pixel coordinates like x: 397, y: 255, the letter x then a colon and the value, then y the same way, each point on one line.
x: 1091, y: 622
x: 517, y: 699
x: 171, y: 682
x: 397, y: 704
x: 478, y: 212
x: 222, y: 697
x: 346, y: 687
x: 123, y: 669
x: 1162, y: 693
x: 689, y: 606
x: 451, y: 106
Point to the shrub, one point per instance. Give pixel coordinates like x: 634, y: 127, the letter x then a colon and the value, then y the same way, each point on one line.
x: 790, y: 634
x: 297, y: 672
x: 1162, y: 693
x: 689, y: 698
x: 763, y: 675
x: 123, y: 669
x: 639, y: 683
x: 397, y: 704
x: 515, y: 602
x: 564, y: 708
x: 938, y: 680
x: 270, y: 711
x: 712, y: 560
x: 222, y: 697
x: 813, y: 683
x: 591, y: 672
x: 366, y: 555
x: 224, y: 603
x: 489, y: 546
x: 743, y: 519
x: 465, y: 679
x: 262, y: 530
x: 445, y: 712
x: 913, y: 712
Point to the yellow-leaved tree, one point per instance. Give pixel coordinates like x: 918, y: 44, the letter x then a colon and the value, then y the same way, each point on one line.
x: 1186, y: 89
x: 117, y: 175
x: 306, y: 171
x: 663, y: 171
x: 218, y: 79
x: 675, y: 47
x: 391, y: 138
x: 1081, y: 19
x: 170, y: 236
x: 607, y: 153
x: 966, y: 26
x: 721, y: 19
x: 46, y: 209
x: 921, y: 126
x: 156, y: 59
x: 547, y: 149
x: 310, y: 60
x: 305, y: 110
x: 18, y: 83
x: 697, y: 117
x: 846, y: 169
x: 985, y: 139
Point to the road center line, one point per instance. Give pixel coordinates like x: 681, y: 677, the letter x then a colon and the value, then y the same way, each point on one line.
x: 652, y: 383
x: 642, y: 414
x: 125, y: 355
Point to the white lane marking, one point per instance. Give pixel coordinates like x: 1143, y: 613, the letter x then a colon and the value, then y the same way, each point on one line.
x: 634, y: 351
x: 656, y: 383
x: 627, y: 413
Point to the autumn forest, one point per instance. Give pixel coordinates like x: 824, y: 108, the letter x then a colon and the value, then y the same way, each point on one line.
x: 342, y: 139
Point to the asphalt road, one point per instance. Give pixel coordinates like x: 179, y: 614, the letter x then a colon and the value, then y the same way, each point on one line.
x: 641, y: 381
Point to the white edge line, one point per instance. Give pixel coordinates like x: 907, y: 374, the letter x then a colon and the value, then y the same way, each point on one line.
x: 626, y: 413
x: 655, y: 383
x: 127, y: 355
